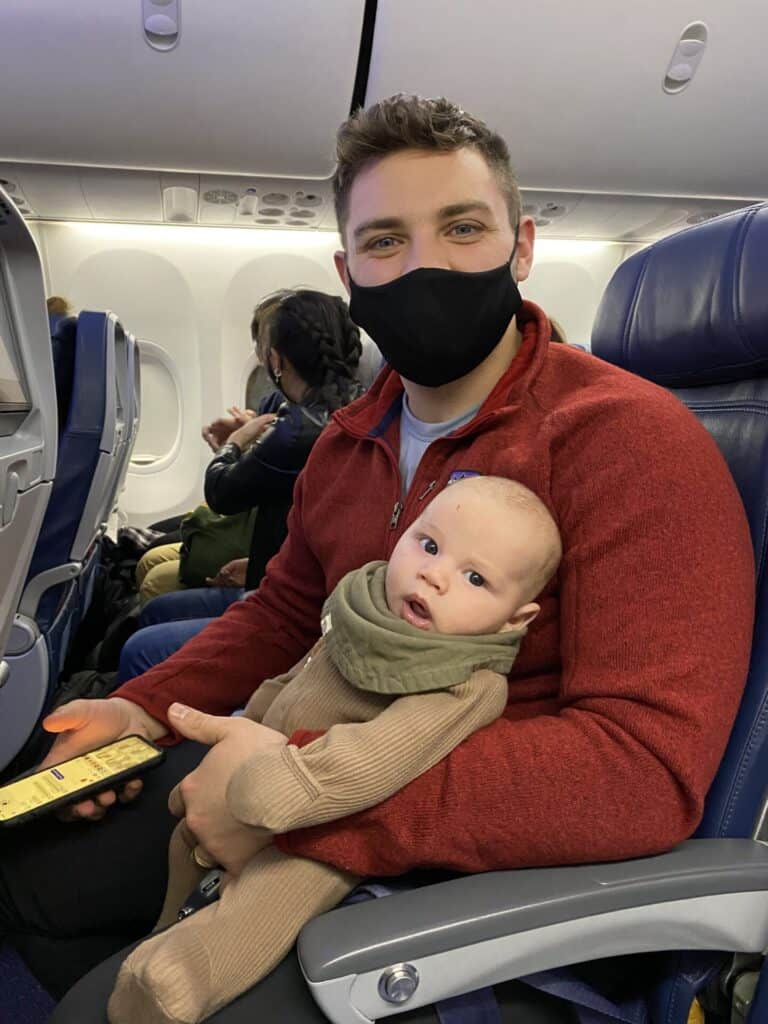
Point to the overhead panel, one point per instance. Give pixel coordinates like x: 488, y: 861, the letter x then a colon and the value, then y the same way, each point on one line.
x: 590, y: 96
x: 49, y: 193
x: 122, y: 196
x: 263, y: 202
x: 249, y: 86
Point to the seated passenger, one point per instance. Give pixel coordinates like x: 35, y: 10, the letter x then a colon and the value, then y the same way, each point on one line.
x: 57, y: 305
x: 414, y: 648
x: 311, y: 350
x: 63, y: 349
x: 621, y: 701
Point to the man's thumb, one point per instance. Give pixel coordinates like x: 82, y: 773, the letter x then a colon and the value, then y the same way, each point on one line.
x: 74, y: 715
x: 196, y: 725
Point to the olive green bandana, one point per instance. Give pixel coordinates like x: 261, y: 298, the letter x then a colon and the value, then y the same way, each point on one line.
x: 375, y: 650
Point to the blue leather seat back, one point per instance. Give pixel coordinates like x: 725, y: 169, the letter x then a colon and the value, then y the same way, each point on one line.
x: 79, y: 446
x: 691, y: 314
x: 63, y: 341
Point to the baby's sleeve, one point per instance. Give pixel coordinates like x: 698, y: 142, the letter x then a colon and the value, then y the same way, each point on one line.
x: 357, y: 765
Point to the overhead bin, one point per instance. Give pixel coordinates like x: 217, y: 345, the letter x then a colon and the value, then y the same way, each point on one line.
x: 578, y: 90
x: 250, y: 86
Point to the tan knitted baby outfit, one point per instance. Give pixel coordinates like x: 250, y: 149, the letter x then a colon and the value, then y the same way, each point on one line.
x: 380, y: 736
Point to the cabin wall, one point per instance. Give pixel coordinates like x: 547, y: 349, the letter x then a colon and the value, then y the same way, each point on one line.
x: 189, y: 291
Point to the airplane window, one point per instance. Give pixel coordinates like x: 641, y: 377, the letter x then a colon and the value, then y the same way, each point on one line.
x: 160, y: 424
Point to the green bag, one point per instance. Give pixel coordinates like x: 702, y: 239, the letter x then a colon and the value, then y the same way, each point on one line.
x: 209, y: 541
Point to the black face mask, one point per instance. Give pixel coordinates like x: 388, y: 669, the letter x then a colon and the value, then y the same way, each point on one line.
x: 434, y: 326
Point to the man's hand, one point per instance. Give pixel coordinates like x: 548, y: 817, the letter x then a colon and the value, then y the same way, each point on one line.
x: 201, y: 796
x: 86, y: 724
x: 230, y: 575
x: 218, y: 433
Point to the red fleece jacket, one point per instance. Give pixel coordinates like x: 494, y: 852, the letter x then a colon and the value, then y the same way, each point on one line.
x: 624, y: 693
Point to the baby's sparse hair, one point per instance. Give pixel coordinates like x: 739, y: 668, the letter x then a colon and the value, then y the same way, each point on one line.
x: 519, y: 498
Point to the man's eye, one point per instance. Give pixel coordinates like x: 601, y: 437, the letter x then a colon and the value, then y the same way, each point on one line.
x: 429, y: 545
x: 475, y: 578
x: 465, y: 230
x: 381, y: 244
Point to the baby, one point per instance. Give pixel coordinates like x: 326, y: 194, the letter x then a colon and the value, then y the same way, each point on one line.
x: 412, y: 661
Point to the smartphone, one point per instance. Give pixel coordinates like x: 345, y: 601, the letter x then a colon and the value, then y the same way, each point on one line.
x: 71, y: 781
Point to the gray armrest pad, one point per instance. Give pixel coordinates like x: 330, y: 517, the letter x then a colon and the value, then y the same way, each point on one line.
x: 450, y: 915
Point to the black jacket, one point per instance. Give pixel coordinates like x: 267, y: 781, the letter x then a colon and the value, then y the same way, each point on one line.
x: 264, y: 476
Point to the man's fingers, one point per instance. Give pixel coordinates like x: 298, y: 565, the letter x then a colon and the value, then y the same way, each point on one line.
x: 196, y: 725
x: 96, y: 815
x: 74, y: 715
x: 176, y: 802
x: 85, y: 809
x: 130, y: 791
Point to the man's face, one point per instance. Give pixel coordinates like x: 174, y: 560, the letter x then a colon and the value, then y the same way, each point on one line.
x: 422, y: 209
x: 461, y: 567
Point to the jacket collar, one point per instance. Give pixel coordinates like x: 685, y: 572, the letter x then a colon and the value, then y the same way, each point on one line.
x: 371, y: 415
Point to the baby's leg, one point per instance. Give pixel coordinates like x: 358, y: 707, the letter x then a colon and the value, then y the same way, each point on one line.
x: 184, y: 873
x: 191, y: 970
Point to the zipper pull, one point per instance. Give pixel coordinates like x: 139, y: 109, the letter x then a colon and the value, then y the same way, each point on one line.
x: 395, y: 515
x: 429, y: 488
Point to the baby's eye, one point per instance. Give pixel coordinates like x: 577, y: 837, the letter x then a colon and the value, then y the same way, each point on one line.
x: 429, y: 545
x: 475, y: 578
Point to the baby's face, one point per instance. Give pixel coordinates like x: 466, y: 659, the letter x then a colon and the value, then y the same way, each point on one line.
x: 457, y: 569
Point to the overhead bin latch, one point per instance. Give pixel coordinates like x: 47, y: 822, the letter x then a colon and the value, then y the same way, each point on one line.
x: 162, y: 24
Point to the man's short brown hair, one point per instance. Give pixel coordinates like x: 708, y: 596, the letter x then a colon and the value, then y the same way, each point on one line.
x: 412, y: 122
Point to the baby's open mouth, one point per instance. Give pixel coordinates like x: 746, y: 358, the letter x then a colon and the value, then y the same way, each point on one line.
x: 417, y: 613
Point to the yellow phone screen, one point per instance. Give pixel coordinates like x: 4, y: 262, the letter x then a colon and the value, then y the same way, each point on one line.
x: 62, y: 780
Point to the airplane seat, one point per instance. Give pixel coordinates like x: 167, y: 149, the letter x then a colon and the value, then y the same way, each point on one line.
x: 707, y: 341
x: 691, y: 314
x: 134, y: 374
x: 63, y: 339
x: 123, y: 367
x: 132, y: 411
x: 66, y: 557
x: 28, y: 435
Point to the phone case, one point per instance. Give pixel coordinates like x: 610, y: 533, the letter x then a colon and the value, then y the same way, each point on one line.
x: 86, y: 791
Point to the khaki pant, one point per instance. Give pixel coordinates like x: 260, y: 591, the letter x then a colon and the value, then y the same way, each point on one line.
x: 158, y: 572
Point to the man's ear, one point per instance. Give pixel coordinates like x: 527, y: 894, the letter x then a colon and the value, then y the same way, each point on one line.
x: 340, y: 261
x: 524, y: 253
x: 522, y: 618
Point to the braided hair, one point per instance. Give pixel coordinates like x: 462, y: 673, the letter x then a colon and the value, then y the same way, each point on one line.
x: 315, y: 334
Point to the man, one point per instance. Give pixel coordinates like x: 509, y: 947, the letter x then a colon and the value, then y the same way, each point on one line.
x: 623, y: 696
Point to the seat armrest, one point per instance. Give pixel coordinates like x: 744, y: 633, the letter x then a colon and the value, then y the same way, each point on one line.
x: 482, y: 929
x: 41, y: 583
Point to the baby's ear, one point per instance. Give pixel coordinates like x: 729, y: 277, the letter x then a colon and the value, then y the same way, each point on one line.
x: 522, y: 618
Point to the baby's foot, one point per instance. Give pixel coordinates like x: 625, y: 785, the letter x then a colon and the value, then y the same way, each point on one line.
x: 165, y: 980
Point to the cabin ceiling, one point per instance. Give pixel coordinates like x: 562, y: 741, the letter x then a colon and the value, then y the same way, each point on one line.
x: 240, y: 114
